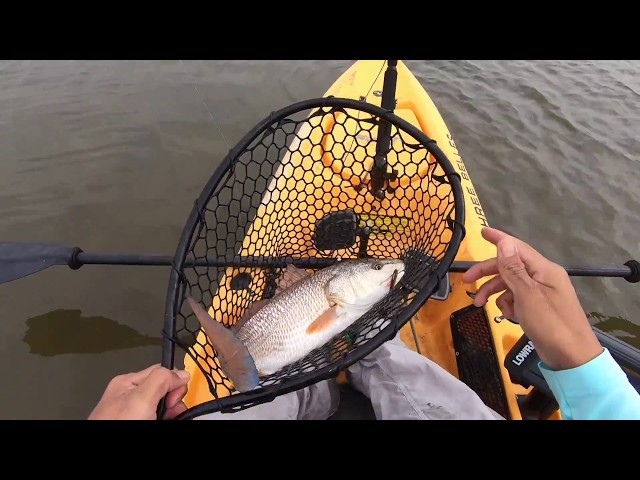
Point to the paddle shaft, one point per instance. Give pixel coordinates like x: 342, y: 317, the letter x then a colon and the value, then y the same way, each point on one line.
x: 85, y: 258
x: 18, y: 260
x: 622, y: 271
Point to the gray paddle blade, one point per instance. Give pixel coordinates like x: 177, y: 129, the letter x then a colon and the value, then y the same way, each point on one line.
x: 17, y: 260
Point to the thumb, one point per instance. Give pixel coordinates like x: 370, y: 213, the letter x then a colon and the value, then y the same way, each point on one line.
x: 512, y: 270
x: 160, y: 382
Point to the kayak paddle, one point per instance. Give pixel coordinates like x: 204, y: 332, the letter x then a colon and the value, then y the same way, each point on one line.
x: 18, y: 260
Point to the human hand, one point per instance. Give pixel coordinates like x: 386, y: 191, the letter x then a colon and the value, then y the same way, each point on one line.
x: 539, y: 294
x: 135, y: 396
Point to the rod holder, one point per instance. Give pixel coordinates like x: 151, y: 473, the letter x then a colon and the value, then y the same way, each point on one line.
x: 380, y: 176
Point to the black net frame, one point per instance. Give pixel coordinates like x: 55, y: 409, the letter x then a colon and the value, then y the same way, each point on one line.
x: 210, y: 240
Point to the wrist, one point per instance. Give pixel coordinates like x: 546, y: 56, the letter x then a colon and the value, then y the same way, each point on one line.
x: 573, y: 354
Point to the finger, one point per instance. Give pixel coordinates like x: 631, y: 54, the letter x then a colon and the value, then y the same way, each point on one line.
x: 527, y: 252
x: 512, y: 269
x: 160, y: 382
x: 505, y: 303
x: 491, y: 287
x: 174, y: 411
x: 137, y: 377
x: 539, y: 267
x: 494, y: 235
x: 485, y: 268
x: 174, y: 396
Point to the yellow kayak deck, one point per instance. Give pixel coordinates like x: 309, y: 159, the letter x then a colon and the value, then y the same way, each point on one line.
x: 433, y: 322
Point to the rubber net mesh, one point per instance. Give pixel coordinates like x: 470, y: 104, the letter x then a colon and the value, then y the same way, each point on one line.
x: 296, y: 172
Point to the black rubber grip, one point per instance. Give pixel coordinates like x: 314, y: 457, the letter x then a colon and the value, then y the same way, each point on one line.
x: 634, y: 276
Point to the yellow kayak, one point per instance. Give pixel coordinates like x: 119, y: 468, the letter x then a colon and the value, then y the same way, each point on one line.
x: 471, y: 343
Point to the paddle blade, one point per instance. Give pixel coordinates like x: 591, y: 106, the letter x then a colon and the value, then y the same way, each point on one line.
x: 18, y: 260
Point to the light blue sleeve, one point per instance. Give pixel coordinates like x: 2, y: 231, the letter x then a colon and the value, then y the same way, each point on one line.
x: 597, y: 390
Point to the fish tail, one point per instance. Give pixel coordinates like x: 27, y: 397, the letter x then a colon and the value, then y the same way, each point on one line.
x: 234, y: 357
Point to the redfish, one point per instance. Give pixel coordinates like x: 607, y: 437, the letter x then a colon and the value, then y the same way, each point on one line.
x: 306, y: 312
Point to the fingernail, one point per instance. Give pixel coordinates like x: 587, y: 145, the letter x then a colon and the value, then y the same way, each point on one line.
x: 183, y: 374
x: 507, y: 249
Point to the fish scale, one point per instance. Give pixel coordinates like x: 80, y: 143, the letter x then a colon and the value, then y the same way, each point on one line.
x: 288, y: 319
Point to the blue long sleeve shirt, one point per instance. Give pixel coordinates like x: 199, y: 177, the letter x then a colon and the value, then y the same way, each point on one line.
x: 597, y: 390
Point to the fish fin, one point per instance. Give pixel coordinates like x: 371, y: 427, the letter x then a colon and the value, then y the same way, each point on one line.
x: 234, y: 357
x: 324, y: 321
x: 290, y: 276
x: 250, y: 312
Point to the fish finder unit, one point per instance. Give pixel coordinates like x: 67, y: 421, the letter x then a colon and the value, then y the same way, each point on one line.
x: 522, y: 364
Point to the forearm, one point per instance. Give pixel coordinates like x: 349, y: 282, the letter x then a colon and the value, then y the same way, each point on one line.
x: 597, y: 390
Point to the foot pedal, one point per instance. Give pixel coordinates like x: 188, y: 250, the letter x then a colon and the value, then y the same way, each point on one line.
x: 478, y: 364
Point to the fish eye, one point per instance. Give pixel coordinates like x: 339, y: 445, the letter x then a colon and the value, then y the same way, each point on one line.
x: 377, y: 266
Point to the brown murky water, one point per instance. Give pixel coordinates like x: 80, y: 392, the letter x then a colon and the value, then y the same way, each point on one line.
x: 109, y: 156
